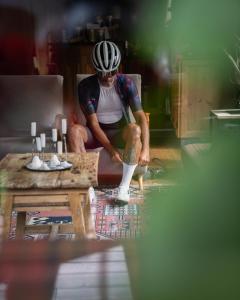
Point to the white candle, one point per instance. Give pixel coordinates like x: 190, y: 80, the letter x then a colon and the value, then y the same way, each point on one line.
x: 43, y: 139
x: 59, y: 147
x: 54, y: 134
x: 33, y: 128
x: 1, y: 227
x: 64, y: 126
x: 39, y: 145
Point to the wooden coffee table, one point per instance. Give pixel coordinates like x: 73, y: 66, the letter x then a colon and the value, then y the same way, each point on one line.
x: 25, y: 191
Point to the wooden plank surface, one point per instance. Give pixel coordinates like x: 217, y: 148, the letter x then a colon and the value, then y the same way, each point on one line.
x: 83, y: 174
x: 48, y: 199
x: 102, y: 275
x: 75, y: 200
x: 88, y: 269
x: 84, y: 171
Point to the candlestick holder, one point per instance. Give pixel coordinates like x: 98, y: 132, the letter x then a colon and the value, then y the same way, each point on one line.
x: 43, y: 145
x: 33, y: 135
x: 54, y: 147
x: 54, y: 139
x: 43, y: 154
x: 65, y: 146
x: 33, y: 145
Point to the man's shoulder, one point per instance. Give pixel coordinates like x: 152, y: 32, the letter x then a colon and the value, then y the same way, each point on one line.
x: 126, y: 79
x: 123, y: 77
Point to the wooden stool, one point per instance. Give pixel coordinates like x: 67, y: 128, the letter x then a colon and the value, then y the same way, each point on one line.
x: 27, y: 191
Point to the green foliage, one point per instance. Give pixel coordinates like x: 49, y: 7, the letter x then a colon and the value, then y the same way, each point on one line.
x: 192, y: 250
x: 235, y: 60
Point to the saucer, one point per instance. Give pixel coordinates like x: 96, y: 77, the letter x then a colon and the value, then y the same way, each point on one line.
x: 64, y: 165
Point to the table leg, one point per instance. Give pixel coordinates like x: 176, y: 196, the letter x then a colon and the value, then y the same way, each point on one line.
x: 88, y: 218
x: 7, y: 215
x: 75, y: 200
x: 21, y: 222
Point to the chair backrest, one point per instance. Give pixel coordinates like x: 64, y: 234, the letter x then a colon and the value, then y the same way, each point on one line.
x: 27, y: 98
x: 135, y: 77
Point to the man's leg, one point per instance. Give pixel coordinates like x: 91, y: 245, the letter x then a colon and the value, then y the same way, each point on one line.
x: 80, y: 138
x: 77, y: 136
x: 132, y: 137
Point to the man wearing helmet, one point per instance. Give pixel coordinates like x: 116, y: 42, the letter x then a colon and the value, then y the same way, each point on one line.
x: 104, y: 99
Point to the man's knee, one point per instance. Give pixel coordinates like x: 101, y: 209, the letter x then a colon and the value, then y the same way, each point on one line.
x: 77, y: 131
x: 134, y: 131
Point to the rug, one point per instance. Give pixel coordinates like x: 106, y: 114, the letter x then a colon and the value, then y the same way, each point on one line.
x: 112, y: 221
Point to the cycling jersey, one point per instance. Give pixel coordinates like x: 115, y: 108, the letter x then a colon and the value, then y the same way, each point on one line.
x: 89, y: 92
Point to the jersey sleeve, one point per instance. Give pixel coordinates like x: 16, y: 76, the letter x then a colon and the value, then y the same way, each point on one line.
x: 85, y: 100
x: 132, y: 95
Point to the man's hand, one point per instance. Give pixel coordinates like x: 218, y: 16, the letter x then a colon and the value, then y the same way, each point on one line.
x: 116, y: 156
x: 144, y: 158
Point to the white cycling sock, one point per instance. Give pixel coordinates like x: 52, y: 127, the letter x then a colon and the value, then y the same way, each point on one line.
x: 128, y: 171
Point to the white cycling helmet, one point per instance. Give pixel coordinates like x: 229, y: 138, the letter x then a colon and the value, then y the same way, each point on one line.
x: 106, y: 56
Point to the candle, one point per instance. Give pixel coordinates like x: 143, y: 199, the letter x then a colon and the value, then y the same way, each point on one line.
x: 1, y: 227
x: 33, y: 128
x: 54, y: 134
x: 43, y: 139
x: 59, y: 147
x: 64, y: 126
x: 39, y: 145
